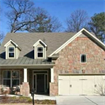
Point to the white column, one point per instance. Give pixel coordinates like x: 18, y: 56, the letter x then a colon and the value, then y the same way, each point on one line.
x: 25, y: 74
x: 52, y: 75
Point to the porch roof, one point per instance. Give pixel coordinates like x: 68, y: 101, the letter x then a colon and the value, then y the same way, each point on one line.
x: 25, y: 61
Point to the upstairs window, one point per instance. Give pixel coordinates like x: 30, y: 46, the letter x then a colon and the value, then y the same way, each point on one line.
x: 40, y: 51
x: 83, y: 58
x: 11, y: 51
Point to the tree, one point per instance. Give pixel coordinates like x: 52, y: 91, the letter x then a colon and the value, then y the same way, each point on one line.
x: 76, y: 21
x: 1, y: 36
x: 97, y: 25
x: 44, y: 22
x: 1, y: 33
x: 19, y: 14
x: 23, y: 15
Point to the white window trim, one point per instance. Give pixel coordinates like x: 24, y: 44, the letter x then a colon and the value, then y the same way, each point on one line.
x: 40, y: 52
x: 11, y: 52
x: 10, y: 77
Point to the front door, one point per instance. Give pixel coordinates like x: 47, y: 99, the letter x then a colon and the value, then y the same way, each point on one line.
x: 40, y: 83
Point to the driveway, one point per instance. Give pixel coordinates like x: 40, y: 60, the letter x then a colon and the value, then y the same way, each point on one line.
x: 80, y: 100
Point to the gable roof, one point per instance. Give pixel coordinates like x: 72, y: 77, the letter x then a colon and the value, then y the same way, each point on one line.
x: 26, y: 41
x: 11, y: 41
x: 55, y: 41
x: 82, y: 31
x: 40, y: 41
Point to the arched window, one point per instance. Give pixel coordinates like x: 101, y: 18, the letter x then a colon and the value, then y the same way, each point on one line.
x: 83, y: 58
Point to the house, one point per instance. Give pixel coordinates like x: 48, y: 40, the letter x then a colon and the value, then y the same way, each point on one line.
x: 53, y: 63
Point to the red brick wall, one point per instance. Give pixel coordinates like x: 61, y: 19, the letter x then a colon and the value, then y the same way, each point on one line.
x: 69, y: 60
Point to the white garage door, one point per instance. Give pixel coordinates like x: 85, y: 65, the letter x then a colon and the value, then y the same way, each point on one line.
x: 81, y: 85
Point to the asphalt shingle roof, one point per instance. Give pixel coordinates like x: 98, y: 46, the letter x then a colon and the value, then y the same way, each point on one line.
x: 26, y: 42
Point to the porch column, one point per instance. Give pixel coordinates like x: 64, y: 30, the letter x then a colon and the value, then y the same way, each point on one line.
x: 52, y: 75
x: 25, y: 88
x: 25, y: 74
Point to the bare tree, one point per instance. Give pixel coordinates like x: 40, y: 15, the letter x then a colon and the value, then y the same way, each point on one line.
x: 20, y: 13
x: 76, y: 21
x: 23, y: 15
x: 1, y: 33
x: 1, y: 36
x: 44, y: 22
x: 100, y: 89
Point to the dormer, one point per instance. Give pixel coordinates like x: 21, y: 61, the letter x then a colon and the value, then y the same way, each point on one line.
x: 12, y: 50
x: 40, y: 50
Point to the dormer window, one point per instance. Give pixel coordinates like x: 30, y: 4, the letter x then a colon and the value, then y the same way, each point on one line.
x: 11, y: 51
x: 40, y: 51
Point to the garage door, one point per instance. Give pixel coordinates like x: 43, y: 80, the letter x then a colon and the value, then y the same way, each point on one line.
x: 81, y: 85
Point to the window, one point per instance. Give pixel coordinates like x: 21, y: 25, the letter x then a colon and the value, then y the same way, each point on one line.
x: 11, y: 78
x: 83, y: 58
x: 40, y: 52
x: 11, y: 51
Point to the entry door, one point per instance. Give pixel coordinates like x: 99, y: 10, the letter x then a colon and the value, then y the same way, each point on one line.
x: 40, y: 83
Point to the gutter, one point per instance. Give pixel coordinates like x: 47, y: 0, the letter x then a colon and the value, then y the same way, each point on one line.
x: 28, y: 66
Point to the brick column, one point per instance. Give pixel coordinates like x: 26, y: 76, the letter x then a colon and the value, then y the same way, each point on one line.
x: 25, y: 90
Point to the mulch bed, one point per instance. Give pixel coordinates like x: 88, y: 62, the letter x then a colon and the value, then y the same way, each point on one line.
x: 6, y: 99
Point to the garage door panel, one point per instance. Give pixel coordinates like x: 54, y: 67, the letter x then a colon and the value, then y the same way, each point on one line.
x: 99, y: 84
x: 64, y: 87
x: 75, y: 85
x: 88, y: 85
x: 81, y: 85
x: 64, y: 77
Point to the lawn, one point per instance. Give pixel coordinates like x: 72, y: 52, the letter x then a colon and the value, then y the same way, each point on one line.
x: 5, y: 100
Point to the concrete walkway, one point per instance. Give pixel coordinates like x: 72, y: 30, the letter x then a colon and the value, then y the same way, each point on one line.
x: 80, y: 100
x: 43, y: 97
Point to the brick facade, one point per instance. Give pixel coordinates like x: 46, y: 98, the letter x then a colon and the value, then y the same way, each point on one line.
x: 69, y: 60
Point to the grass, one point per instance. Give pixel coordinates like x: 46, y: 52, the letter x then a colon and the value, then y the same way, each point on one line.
x: 5, y: 100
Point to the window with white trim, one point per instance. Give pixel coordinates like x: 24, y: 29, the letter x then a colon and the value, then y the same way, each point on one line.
x: 40, y: 51
x: 83, y: 58
x: 11, y: 51
x: 11, y: 78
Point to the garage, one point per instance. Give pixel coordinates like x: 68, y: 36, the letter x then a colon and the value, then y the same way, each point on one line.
x: 81, y: 85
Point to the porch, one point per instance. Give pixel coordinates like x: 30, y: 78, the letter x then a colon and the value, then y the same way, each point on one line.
x: 27, y: 79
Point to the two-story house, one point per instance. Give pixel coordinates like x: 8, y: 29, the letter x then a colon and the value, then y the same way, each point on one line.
x: 53, y: 63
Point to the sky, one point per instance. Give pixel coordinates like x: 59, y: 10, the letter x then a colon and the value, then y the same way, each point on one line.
x: 60, y: 9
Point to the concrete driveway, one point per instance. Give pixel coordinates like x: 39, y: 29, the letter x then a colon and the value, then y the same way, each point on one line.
x: 80, y: 100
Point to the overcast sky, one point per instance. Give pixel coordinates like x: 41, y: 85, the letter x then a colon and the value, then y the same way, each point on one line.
x: 60, y: 9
